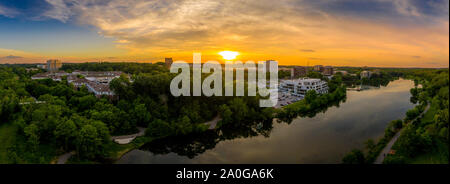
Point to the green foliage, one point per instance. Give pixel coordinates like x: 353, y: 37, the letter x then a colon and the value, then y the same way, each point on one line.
x: 312, y: 103
x: 394, y: 160
x: 354, y: 157
x: 65, y: 133
x: 32, y: 133
x: 88, y: 142
x: 283, y: 74
x: 158, y: 128
x: 315, y: 75
x: 412, y: 113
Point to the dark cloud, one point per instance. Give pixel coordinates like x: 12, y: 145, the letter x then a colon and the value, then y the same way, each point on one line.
x: 376, y: 9
x: 27, y: 9
x: 417, y: 57
x: 307, y: 50
x: 11, y: 57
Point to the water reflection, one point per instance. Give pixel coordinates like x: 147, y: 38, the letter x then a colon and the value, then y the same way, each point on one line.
x: 323, y: 138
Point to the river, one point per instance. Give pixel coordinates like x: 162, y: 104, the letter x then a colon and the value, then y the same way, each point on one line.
x: 324, y: 138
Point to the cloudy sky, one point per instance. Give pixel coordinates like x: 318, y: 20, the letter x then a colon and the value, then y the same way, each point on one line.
x: 389, y: 33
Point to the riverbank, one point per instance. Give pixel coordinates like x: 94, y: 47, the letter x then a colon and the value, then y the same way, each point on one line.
x: 323, y: 137
x: 388, y: 148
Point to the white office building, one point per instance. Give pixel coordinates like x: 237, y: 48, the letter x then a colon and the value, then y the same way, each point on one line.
x: 299, y: 87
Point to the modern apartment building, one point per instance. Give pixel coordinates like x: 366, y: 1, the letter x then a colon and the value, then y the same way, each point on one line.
x: 299, y: 87
x: 300, y: 71
x: 53, y: 65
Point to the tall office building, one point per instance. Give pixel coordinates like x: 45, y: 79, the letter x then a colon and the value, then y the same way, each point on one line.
x: 328, y: 70
x: 318, y: 68
x: 168, y: 62
x: 53, y: 65
x: 300, y: 71
x: 267, y: 63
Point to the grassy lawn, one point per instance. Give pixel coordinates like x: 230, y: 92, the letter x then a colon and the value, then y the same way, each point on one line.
x: 7, y: 139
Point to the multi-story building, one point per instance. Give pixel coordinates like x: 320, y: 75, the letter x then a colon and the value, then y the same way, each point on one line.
x: 299, y: 87
x: 168, y: 62
x: 300, y: 71
x: 96, y: 82
x: 267, y: 63
x: 41, y: 66
x: 318, y: 68
x: 365, y: 74
x: 53, y: 65
x: 328, y: 70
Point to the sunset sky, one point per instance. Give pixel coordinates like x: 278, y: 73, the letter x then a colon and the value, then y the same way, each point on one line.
x: 383, y: 33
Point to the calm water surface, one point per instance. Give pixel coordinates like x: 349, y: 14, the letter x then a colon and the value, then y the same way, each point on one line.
x: 325, y: 138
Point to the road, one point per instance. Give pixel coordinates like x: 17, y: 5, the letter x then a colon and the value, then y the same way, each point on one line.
x: 388, y: 147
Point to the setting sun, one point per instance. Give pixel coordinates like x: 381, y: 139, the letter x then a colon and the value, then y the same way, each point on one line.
x: 228, y: 55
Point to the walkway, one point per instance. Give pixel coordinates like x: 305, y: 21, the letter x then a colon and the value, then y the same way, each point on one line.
x: 388, y: 147
x: 63, y: 158
x: 213, y: 123
x: 125, y: 139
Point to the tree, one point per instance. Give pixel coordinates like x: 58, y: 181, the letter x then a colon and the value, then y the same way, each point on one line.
x: 316, y: 75
x: 88, y: 142
x: 408, y: 142
x: 102, y: 130
x: 183, y: 126
x: 86, y: 102
x: 32, y: 133
x: 122, y: 87
x: 226, y: 114
x: 65, y: 133
x: 370, y: 144
x: 412, y: 113
x: 310, y: 98
x: 394, y: 160
x: 396, y: 124
x: 239, y: 110
x: 158, y: 128
x: 354, y: 157
x: 141, y: 115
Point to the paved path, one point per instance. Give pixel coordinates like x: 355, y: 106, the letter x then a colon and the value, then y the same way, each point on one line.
x: 63, y: 158
x: 125, y: 139
x: 388, y: 147
x: 213, y: 123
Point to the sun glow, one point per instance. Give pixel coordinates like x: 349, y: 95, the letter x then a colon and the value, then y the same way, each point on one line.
x: 228, y: 55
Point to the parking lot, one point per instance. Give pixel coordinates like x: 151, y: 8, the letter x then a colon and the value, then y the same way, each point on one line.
x: 285, y: 98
